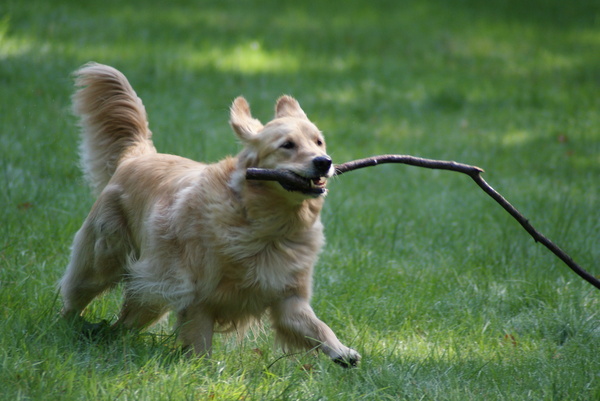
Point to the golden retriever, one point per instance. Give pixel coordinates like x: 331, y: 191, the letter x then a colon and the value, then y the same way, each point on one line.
x: 199, y: 239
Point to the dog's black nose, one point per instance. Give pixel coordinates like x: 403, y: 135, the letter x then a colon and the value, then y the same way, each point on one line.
x: 322, y: 164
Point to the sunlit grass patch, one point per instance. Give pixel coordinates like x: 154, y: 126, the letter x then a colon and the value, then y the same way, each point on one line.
x: 246, y: 58
x: 11, y: 46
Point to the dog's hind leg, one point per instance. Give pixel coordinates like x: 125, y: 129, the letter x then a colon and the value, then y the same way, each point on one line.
x: 99, y: 254
x: 196, y: 329
x: 88, y: 273
x: 297, y: 326
x: 137, y: 315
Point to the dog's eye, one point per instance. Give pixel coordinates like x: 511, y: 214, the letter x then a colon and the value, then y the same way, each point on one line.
x: 319, y: 142
x: 288, y: 145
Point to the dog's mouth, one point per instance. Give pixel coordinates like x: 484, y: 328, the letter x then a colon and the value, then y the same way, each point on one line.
x: 313, y: 186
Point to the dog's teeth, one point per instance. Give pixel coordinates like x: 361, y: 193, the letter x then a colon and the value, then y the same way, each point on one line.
x: 317, y: 182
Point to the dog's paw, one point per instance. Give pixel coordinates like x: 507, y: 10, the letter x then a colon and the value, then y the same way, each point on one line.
x: 349, y: 360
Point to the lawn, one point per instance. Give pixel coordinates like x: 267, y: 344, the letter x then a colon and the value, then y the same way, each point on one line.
x: 444, y: 295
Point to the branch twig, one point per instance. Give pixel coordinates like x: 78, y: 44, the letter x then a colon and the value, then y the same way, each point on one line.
x: 291, y: 179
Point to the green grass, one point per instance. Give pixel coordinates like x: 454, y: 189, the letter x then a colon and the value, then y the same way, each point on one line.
x: 444, y: 295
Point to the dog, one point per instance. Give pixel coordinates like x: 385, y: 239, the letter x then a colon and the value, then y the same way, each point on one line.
x: 199, y: 239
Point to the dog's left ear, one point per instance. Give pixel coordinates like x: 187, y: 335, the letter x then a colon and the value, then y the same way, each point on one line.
x: 241, y: 120
x: 287, y: 106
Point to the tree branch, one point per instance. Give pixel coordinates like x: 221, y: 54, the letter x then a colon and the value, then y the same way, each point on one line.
x: 290, y: 179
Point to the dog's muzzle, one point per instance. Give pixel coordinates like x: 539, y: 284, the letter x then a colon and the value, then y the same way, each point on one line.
x: 313, y: 184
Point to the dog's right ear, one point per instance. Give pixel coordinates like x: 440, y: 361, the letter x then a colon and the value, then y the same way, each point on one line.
x: 241, y: 120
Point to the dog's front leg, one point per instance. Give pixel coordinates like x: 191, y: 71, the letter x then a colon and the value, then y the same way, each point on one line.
x: 195, y: 328
x: 297, y: 326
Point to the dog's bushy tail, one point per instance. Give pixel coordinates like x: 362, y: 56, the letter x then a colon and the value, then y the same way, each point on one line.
x: 113, y: 122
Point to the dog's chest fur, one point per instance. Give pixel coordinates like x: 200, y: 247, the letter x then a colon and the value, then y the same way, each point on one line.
x: 239, y: 249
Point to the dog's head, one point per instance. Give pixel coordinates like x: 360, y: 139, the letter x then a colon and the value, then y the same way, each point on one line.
x: 288, y: 142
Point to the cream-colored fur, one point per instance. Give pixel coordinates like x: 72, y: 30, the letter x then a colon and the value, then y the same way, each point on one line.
x: 199, y: 239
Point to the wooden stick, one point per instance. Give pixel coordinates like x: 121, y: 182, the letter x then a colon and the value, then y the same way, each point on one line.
x: 290, y: 179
